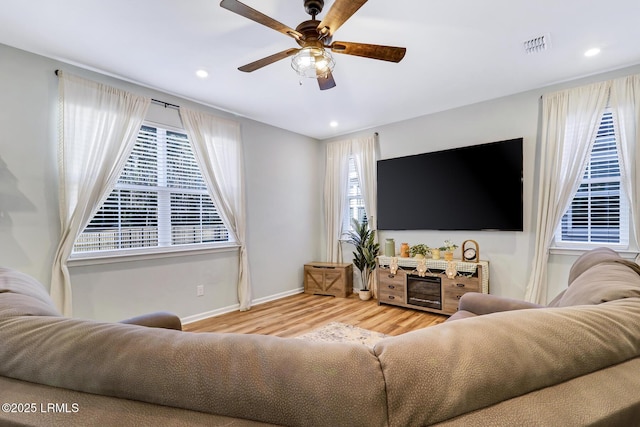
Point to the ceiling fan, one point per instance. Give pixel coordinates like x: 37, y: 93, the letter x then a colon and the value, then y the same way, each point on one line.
x: 313, y: 58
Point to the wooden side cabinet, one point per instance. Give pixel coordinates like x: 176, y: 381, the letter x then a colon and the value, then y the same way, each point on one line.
x: 325, y: 278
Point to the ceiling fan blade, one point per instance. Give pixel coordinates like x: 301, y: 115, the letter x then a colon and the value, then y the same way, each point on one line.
x: 268, y: 60
x: 325, y: 80
x: 340, y: 11
x: 259, y: 17
x: 373, y: 51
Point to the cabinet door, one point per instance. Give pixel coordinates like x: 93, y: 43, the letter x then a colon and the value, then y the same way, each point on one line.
x: 391, y: 287
x: 454, y: 289
x: 314, y: 280
x: 333, y: 281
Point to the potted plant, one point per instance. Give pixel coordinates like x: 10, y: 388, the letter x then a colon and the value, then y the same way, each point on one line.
x: 364, y: 257
x: 419, y: 251
x: 448, y: 249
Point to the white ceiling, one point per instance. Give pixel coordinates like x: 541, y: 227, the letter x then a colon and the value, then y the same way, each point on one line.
x: 458, y: 52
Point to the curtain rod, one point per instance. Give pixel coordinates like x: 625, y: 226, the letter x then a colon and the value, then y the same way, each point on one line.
x: 166, y: 104
x: 155, y: 101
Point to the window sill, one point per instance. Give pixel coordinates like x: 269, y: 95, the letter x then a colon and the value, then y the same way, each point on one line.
x: 148, y: 254
x: 628, y: 254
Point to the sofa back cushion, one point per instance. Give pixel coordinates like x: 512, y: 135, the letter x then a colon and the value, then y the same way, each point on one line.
x: 590, y: 259
x: 24, y: 295
x: 454, y: 368
x: 587, y: 292
x: 263, y: 378
x: 607, y: 281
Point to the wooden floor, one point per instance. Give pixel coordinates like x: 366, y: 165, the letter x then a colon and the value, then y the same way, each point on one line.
x: 301, y: 313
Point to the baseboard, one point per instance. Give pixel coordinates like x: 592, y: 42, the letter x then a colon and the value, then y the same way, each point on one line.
x: 236, y: 307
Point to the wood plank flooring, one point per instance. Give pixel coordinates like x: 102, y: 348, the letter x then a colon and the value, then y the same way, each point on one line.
x: 301, y: 313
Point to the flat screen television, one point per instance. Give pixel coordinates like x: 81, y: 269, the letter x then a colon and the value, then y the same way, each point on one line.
x: 478, y: 187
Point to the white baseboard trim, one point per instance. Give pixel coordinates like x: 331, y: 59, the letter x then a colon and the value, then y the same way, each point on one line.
x: 236, y: 307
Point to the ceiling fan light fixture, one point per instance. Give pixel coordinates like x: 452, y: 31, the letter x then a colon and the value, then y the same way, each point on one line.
x: 312, y: 62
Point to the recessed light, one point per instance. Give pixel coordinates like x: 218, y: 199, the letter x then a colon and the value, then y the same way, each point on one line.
x: 203, y: 74
x: 333, y: 124
x: 592, y: 52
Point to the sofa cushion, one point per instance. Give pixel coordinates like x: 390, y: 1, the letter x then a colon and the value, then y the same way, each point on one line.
x: 607, y: 281
x: 27, y: 296
x: 446, y: 370
x: 263, y: 378
x: 590, y: 259
x: 12, y: 305
x: 97, y: 410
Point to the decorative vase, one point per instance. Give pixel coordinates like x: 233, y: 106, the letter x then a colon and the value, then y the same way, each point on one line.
x: 404, y: 250
x: 364, y: 295
x: 448, y: 256
x: 435, y: 253
x: 390, y: 247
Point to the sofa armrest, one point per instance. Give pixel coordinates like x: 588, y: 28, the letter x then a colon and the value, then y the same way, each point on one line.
x: 479, y: 304
x: 160, y: 319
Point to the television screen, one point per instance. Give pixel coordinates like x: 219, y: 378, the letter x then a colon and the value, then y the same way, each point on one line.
x: 470, y: 188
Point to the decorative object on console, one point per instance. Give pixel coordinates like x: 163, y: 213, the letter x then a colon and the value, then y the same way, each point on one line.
x: 470, y: 251
x: 419, y: 251
x: 448, y: 249
x: 421, y: 268
x: 451, y: 270
x: 393, y: 265
x: 404, y: 250
x: 390, y: 247
x: 435, y: 253
x: 364, y: 257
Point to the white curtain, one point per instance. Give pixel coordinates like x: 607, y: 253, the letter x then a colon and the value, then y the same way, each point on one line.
x: 218, y: 150
x: 625, y: 103
x: 98, y: 128
x: 336, y: 186
x: 364, y: 152
x: 570, y: 121
x: 365, y: 155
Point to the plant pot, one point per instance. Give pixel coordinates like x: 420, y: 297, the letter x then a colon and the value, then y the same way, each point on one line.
x: 448, y: 256
x: 365, y: 295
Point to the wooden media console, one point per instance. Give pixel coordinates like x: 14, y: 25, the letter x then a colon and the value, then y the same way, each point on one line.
x: 435, y: 291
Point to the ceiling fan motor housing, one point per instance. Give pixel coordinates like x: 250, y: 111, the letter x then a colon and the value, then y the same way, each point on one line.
x: 310, y: 36
x: 313, y: 7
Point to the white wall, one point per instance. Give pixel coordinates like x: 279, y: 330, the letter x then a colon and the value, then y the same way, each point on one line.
x: 509, y: 253
x: 283, y: 202
x: 29, y: 224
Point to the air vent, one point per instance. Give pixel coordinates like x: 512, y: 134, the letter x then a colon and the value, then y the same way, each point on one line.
x: 537, y: 44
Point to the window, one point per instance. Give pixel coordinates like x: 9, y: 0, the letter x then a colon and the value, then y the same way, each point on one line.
x: 159, y: 201
x: 355, y: 202
x: 599, y: 212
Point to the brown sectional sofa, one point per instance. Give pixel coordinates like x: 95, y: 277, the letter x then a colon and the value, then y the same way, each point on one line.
x: 568, y: 365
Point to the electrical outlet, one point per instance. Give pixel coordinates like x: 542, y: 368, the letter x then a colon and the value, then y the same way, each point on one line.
x: 200, y: 290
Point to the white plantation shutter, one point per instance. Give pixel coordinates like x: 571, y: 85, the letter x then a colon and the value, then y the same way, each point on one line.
x: 599, y: 212
x: 160, y: 200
